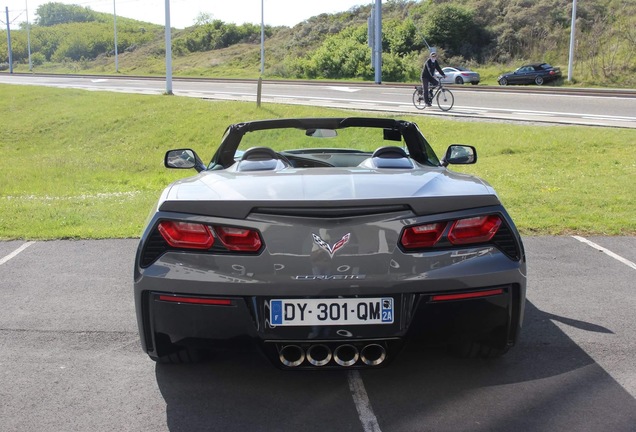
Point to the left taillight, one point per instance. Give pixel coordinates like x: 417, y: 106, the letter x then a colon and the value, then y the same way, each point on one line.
x: 186, y: 234
x: 193, y: 235
x: 239, y: 239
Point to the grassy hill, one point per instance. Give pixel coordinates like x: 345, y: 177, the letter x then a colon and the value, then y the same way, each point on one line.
x: 490, y: 36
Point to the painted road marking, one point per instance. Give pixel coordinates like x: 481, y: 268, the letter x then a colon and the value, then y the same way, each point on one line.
x: 15, y: 252
x: 606, y: 251
x: 362, y: 403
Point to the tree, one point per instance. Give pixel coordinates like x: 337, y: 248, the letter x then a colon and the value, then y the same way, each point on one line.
x: 50, y: 14
x: 453, y: 27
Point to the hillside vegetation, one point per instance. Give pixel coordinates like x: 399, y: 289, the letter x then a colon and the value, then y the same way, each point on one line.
x: 490, y: 36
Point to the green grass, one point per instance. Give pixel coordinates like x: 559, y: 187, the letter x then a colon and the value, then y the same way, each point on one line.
x: 79, y: 164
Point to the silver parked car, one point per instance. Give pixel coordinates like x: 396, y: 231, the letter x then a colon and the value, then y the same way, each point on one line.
x: 459, y: 75
x: 329, y: 243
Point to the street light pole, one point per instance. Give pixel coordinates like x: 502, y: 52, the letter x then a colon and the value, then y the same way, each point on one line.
x: 26, y: 8
x: 572, y: 39
x: 378, y: 42
x: 259, y: 86
x: 168, y: 51
x: 115, y: 21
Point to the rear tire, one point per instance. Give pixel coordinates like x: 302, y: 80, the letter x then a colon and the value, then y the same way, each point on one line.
x: 445, y: 99
x: 418, y: 100
x: 174, y: 354
x: 182, y: 356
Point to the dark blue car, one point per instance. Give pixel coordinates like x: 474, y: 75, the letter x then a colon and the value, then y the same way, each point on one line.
x: 537, y: 73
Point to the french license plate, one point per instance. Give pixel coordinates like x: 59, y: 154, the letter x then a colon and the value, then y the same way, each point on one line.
x: 312, y: 312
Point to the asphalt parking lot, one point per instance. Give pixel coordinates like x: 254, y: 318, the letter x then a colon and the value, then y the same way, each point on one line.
x: 70, y: 357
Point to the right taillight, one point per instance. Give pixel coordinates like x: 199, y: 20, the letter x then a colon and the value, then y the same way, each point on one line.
x: 474, y: 230
x: 480, y: 229
x: 422, y: 236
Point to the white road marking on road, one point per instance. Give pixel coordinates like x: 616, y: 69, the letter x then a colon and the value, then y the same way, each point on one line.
x: 344, y: 89
x: 606, y: 251
x: 361, y: 400
x: 15, y: 252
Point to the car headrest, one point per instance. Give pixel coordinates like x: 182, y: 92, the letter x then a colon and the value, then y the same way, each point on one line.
x: 391, y: 157
x: 260, y: 159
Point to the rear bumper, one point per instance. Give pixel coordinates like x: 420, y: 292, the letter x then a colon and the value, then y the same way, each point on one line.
x: 492, y: 319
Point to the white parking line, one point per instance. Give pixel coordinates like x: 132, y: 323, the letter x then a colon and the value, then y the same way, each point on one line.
x: 606, y: 251
x: 15, y: 252
x: 361, y: 400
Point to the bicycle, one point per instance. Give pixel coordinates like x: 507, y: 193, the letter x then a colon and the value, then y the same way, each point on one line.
x: 443, y: 96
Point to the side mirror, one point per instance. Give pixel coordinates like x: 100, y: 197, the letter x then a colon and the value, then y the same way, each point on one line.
x: 183, y: 159
x: 459, y: 154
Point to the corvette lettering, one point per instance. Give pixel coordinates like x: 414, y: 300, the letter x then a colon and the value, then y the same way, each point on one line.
x: 330, y: 277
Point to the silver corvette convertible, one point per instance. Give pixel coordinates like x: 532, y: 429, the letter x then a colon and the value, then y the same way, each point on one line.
x: 329, y: 243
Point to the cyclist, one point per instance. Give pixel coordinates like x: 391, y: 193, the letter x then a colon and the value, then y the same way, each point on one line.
x: 428, y: 75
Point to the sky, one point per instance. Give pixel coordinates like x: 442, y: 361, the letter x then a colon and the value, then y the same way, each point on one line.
x: 183, y: 13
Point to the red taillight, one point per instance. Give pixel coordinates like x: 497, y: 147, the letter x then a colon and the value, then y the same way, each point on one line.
x: 474, y: 230
x: 196, y: 300
x: 463, y: 296
x: 422, y: 235
x: 186, y: 235
x: 239, y: 239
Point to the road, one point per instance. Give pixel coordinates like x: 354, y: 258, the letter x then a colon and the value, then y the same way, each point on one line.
x: 71, y: 359
x: 522, y: 103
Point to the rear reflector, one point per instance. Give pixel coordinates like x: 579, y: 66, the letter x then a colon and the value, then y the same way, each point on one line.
x: 196, y: 300
x: 470, y: 295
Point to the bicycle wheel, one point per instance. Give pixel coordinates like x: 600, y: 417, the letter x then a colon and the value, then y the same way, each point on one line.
x: 418, y: 100
x: 445, y: 99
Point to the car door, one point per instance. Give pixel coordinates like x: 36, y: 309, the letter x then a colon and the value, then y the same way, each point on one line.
x: 523, y: 75
x: 450, y: 75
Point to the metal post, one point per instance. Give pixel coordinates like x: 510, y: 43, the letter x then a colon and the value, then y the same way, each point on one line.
x: 9, y: 42
x: 371, y: 36
x: 572, y: 39
x: 26, y: 7
x: 259, y: 87
x: 378, y: 41
x: 115, y: 21
x: 168, y: 51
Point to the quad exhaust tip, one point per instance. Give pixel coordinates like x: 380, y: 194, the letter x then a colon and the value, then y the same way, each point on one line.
x: 373, y: 354
x: 291, y: 355
x: 319, y: 355
x: 344, y: 355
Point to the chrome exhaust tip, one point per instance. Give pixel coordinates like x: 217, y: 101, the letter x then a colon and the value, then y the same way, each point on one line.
x: 318, y: 355
x: 373, y: 354
x: 346, y: 355
x: 291, y: 355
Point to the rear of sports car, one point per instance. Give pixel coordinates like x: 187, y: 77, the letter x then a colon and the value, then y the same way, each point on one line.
x: 340, y: 280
